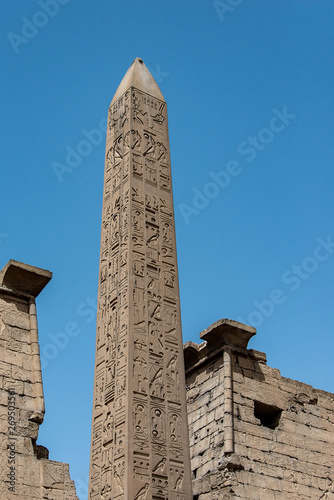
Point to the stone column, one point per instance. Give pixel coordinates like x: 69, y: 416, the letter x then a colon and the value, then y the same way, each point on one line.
x: 140, y: 443
x: 228, y: 402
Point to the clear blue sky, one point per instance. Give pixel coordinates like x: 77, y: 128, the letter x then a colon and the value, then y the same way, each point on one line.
x: 250, y: 99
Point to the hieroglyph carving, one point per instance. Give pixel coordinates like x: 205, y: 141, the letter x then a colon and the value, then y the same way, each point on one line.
x: 139, y: 392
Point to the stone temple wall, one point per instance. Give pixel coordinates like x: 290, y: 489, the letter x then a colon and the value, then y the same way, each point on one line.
x: 253, y: 433
x: 25, y: 471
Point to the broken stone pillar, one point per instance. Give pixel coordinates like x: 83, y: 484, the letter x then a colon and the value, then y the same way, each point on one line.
x: 140, y: 443
x: 25, y: 470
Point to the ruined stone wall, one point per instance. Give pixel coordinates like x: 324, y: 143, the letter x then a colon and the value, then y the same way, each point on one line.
x: 25, y: 471
x: 272, y: 439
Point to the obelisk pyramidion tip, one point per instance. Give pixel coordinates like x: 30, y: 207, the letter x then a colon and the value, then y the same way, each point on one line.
x: 138, y: 76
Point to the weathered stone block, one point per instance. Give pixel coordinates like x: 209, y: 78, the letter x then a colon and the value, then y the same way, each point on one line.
x: 286, y: 458
x: 21, y: 394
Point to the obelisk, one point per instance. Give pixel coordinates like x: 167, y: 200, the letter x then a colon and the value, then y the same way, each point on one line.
x: 140, y: 442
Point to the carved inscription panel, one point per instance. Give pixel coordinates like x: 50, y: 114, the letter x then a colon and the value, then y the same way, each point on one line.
x: 139, y: 391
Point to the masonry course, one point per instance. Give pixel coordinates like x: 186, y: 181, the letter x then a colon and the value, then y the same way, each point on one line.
x: 282, y: 429
x: 25, y: 471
